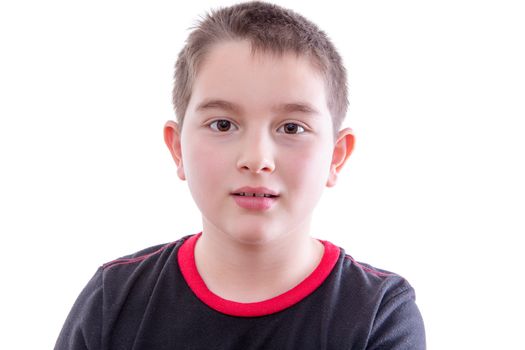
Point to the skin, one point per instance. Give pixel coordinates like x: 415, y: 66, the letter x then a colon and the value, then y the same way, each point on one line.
x: 245, y: 255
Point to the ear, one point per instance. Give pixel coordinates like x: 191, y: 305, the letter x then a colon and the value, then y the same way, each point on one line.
x: 342, y: 149
x: 172, y: 139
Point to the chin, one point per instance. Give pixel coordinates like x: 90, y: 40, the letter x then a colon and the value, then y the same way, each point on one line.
x: 253, y: 237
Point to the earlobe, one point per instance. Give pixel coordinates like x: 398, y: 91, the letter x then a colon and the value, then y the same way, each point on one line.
x: 343, y: 147
x: 172, y: 138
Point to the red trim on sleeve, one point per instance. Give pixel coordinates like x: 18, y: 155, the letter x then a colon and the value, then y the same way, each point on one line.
x: 124, y: 261
x: 186, y: 259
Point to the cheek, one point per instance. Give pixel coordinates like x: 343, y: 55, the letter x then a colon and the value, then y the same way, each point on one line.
x: 305, y: 184
x: 204, y: 170
x: 201, y: 154
x: 308, y: 170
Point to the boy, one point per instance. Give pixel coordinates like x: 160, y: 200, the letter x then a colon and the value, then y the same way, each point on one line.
x: 260, y: 94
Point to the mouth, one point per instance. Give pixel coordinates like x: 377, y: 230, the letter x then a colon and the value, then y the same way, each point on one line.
x: 248, y: 194
x: 255, y: 198
x: 255, y: 192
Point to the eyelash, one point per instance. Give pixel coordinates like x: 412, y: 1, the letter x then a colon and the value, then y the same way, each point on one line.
x: 220, y: 120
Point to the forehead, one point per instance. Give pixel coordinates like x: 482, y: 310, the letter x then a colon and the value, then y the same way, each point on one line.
x: 241, y: 79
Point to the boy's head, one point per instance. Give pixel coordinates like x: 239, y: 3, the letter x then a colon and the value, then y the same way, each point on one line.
x: 258, y: 147
x: 269, y: 29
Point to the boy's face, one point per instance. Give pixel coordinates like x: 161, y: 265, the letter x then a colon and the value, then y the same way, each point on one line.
x: 257, y: 121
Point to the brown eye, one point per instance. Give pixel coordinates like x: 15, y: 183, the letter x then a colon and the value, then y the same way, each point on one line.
x: 221, y: 125
x: 292, y: 128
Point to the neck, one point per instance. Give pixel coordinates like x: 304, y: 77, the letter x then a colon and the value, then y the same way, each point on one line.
x: 251, y: 272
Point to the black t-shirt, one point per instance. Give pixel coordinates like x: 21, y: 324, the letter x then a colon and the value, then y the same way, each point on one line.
x: 156, y: 299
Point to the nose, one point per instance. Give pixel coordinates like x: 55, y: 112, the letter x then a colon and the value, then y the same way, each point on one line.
x: 256, y: 155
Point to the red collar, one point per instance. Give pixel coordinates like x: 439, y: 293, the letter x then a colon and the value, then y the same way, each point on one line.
x: 186, y: 259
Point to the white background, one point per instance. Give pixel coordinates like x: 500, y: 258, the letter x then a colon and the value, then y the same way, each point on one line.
x: 434, y: 190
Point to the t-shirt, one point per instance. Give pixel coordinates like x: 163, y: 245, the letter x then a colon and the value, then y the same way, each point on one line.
x: 156, y: 299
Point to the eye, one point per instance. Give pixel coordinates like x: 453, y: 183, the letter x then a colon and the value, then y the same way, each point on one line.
x: 221, y: 125
x: 292, y: 128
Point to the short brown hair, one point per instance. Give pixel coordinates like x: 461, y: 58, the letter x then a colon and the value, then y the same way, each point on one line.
x: 269, y: 28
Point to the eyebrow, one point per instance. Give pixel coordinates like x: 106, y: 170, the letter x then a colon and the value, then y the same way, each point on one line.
x: 300, y: 107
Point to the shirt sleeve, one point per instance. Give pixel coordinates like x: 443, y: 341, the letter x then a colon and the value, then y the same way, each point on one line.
x: 398, y: 323
x: 83, y: 327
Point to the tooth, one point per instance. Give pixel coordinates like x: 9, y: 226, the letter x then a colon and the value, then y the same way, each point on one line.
x: 246, y: 194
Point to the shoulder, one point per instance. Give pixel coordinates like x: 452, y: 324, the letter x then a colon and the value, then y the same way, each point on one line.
x: 142, y: 255
x: 115, y: 284
x: 364, y: 281
x: 145, y: 256
x: 375, y: 308
x: 390, y: 303
x: 140, y: 268
x: 373, y: 279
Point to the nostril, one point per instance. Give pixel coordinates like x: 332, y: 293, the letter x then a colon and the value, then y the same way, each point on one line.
x: 257, y: 168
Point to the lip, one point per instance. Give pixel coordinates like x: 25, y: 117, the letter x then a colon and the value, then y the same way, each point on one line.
x: 257, y: 190
x: 254, y: 203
